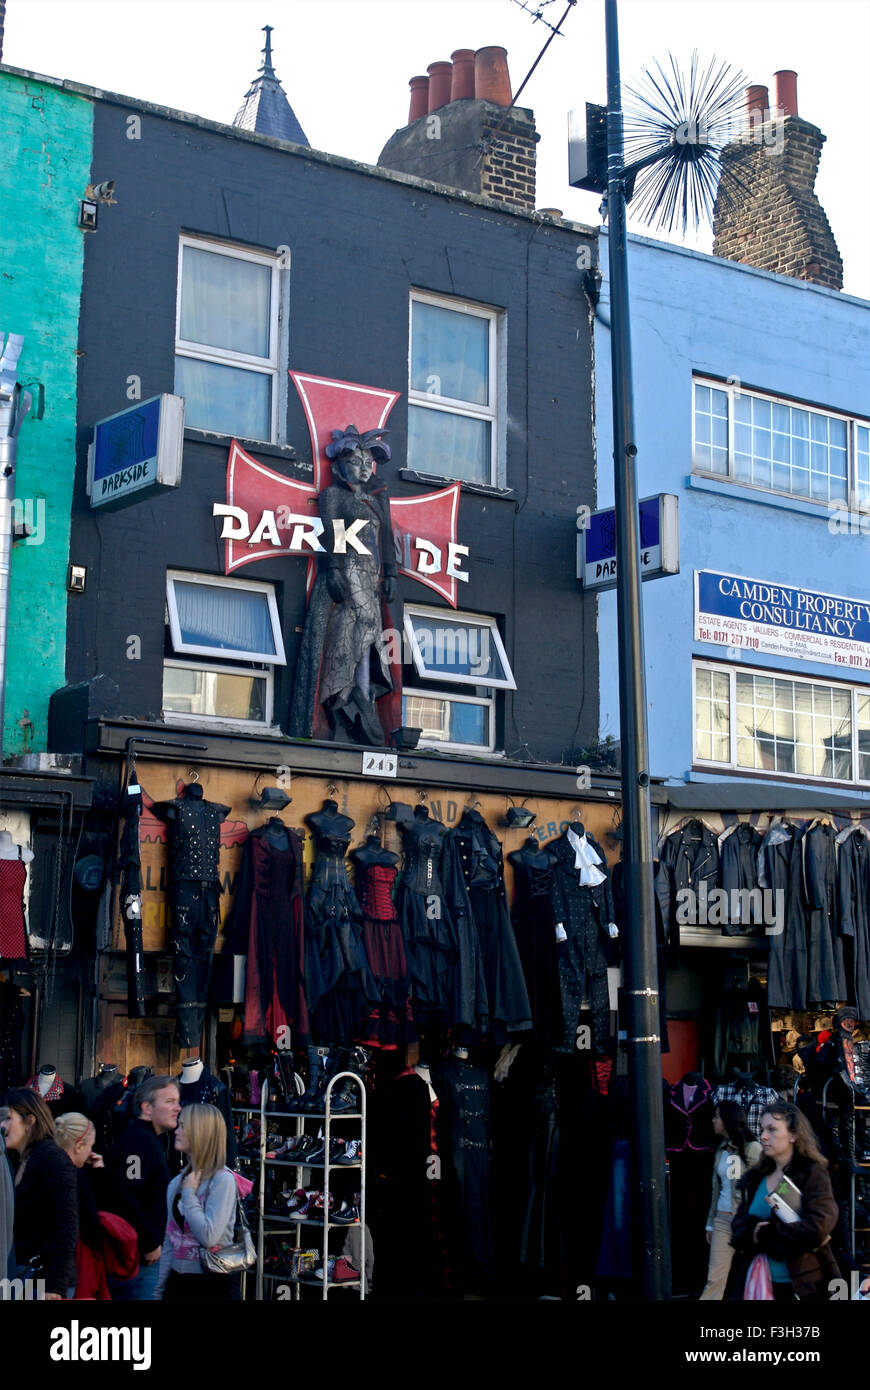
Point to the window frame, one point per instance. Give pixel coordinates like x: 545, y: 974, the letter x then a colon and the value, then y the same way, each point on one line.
x: 445, y: 745
x: 412, y: 610
x: 224, y: 721
x: 732, y: 387
x: 450, y: 405
x: 224, y: 654
x: 732, y: 765
x: 227, y: 357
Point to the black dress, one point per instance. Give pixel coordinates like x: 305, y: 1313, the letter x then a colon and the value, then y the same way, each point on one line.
x: 535, y: 932
x: 782, y: 861
x: 480, y: 856
x: 341, y: 991
x: 447, y: 984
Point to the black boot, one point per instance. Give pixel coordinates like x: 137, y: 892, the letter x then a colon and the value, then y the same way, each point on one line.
x: 332, y: 1062
x: 348, y: 1096
x: 300, y: 1104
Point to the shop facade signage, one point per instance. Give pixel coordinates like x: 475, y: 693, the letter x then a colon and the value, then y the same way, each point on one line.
x: 137, y: 449
x: 266, y: 514
x: 659, y: 542
x: 783, y: 619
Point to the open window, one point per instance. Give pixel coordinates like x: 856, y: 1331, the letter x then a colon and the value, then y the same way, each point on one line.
x: 233, y: 629
x: 465, y: 653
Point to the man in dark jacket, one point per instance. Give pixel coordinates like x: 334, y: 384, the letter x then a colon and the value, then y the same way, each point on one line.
x: 138, y: 1176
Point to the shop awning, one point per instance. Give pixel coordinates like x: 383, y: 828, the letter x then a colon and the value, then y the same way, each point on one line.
x: 749, y: 796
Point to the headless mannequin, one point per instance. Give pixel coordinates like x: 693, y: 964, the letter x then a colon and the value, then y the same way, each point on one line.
x: 577, y: 828
x: 277, y: 832
x: 46, y: 1078
x: 372, y: 852
x: 422, y: 1070
x: 9, y: 849
x: 191, y: 1071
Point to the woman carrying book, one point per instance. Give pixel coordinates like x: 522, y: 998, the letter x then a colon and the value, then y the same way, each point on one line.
x: 787, y: 1211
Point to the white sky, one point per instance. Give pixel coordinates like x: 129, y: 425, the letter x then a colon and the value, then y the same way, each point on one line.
x: 345, y: 66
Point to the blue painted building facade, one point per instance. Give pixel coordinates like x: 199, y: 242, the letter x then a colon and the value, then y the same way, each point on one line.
x: 752, y: 401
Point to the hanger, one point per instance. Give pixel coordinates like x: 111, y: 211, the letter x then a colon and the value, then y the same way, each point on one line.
x: 193, y: 774
x: 471, y: 803
x: 331, y: 789
x: 422, y: 795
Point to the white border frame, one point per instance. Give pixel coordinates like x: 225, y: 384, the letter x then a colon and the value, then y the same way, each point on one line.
x: 276, y: 658
x: 202, y: 352
x: 414, y: 610
x: 731, y: 389
x: 444, y: 745
x: 699, y: 663
x: 450, y: 405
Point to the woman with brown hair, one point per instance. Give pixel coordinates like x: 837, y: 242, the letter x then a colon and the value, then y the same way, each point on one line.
x: 792, y: 1170
x: 201, y: 1205
x: 46, y: 1205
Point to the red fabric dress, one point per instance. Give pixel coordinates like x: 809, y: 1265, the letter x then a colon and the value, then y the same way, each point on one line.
x: 390, y: 1024
x: 13, y: 929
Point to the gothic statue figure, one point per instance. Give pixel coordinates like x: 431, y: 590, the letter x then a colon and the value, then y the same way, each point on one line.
x: 343, y: 666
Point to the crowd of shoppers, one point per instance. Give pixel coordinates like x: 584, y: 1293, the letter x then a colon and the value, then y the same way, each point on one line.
x: 77, y: 1226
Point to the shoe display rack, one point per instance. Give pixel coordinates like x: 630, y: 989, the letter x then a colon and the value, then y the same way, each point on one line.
x: 246, y: 1123
x: 304, y: 1145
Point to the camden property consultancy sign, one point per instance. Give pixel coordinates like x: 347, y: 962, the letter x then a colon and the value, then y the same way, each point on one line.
x: 759, y: 616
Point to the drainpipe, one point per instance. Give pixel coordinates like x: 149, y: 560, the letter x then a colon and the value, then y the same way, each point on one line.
x: 14, y: 405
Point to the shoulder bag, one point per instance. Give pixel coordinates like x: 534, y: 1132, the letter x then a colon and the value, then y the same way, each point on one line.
x: 234, y: 1258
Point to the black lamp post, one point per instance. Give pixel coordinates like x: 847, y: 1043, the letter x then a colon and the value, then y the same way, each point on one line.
x: 639, y: 1012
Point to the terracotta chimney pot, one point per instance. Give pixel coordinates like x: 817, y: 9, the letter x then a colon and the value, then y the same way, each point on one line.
x: 785, y: 91
x: 419, y: 98
x: 491, y: 77
x: 440, y: 80
x: 463, y: 74
x: 757, y: 100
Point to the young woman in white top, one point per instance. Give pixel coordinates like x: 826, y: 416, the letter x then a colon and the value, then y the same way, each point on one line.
x: 201, y: 1208
x: 738, y: 1150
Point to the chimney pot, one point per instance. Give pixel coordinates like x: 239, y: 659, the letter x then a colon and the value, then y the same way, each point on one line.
x: 419, y: 98
x: 462, y: 85
x: 757, y: 99
x: 491, y: 77
x: 440, y: 79
x: 785, y: 91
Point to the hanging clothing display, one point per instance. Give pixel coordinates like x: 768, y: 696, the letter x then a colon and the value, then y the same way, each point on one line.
x: 13, y: 927
x: 751, y: 1098
x: 689, y: 859
x: 412, y: 1195
x: 341, y: 991
x: 781, y: 869
x: 535, y: 932
x: 447, y: 984
x: 854, y: 889
x: 738, y: 874
x: 463, y: 1089
x: 390, y: 1023
x: 193, y: 828
x: 689, y: 1147
x: 826, y: 975
x: 267, y: 925
x: 583, y: 908
x: 480, y: 858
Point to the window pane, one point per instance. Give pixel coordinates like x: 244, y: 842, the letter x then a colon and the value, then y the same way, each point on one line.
x: 227, y: 400
x: 458, y: 649
x: 446, y: 721
x: 226, y: 694
x: 449, y: 353
x: 225, y: 302
x: 212, y: 615
x: 453, y: 446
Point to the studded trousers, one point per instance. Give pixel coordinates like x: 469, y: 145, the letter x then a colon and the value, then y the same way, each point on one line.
x: 195, y: 914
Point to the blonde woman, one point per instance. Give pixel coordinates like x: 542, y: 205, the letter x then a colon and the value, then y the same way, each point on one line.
x: 201, y: 1206
x: 107, y: 1244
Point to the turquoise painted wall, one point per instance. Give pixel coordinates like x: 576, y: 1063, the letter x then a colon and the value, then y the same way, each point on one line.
x: 46, y: 140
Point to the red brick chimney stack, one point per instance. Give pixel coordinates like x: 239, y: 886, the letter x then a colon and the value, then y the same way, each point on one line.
x: 773, y: 219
